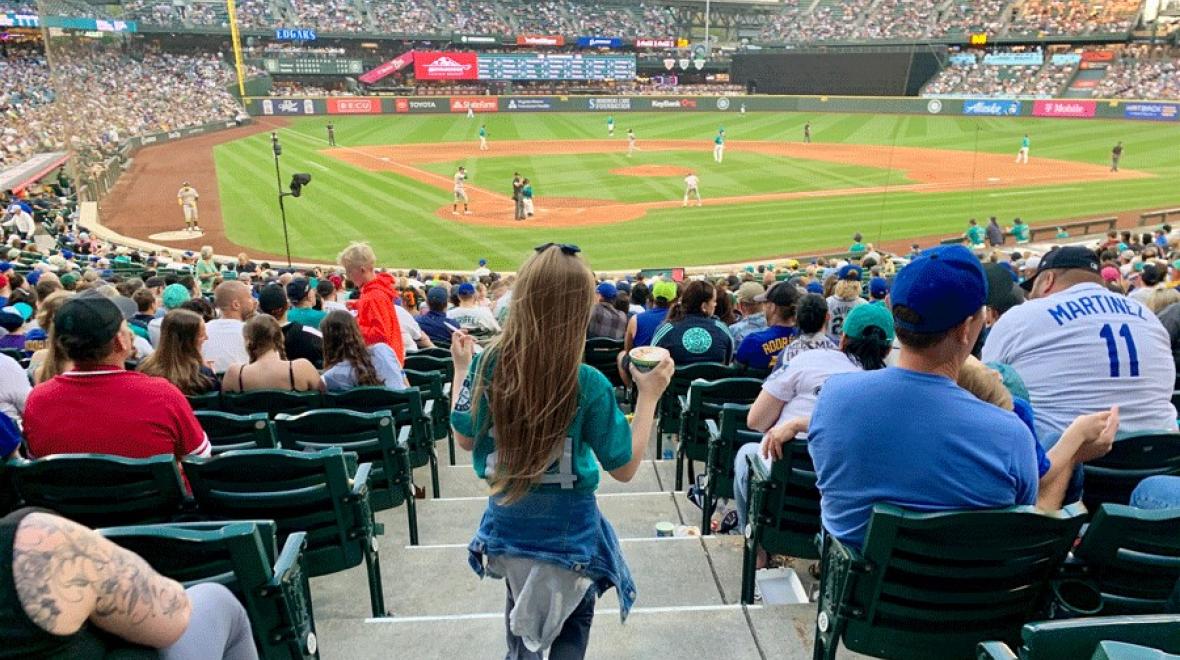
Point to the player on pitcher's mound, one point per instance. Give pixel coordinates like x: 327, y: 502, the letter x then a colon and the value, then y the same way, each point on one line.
x: 187, y: 197
x: 460, y: 191
x: 692, y: 186
x: 631, y: 146
x: 719, y: 146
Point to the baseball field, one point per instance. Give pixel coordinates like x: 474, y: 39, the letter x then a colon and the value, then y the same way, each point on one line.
x: 893, y: 178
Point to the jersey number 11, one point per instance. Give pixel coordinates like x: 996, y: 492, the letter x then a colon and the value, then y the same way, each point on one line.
x: 1112, y: 349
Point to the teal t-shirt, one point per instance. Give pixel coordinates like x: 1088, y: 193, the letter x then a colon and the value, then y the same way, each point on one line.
x: 975, y: 234
x: 1024, y: 143
x: 306, y: 316
x: 599, y: 434
x: 1021, y: 233
x: 856, y: 248
x: 483, y: 132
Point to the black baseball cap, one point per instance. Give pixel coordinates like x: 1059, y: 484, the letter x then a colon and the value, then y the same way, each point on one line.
x: 95, y: 319
x: 272, y: 298
x: 1068, y: 257
x: 782, y: 294
x: 1002, y: 292
x: 297, y: 289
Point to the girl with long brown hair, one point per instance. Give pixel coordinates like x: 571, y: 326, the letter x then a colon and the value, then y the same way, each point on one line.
x: 348, y: 363
x: 691, y: 332
x: 177, y: 358
x: 269, y: 368
x: 539, y: 424
x: 49, y: 362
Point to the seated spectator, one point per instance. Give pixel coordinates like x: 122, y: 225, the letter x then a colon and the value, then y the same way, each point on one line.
x: 48, y: 362
x: 642, y: 327
x: 605, y: 319
x: 173, y: 297
x: 14, y: 388
x: 753, y: 316
x: 77, y: 594
x: 348, y: 363
x: 812, y: 320
x: 269, y: 367
x: 145, y: 303
x: 469, y: 315
x: 434, y: 322
x: 225, y: 345
x: 845, y: 297
x: 97, y: 406
x: 178, y: 356
x: 329, y: 296
x: 959, y: 452
x: 413, y: 339
x: 760, y: 349
x: 301, y: 298
x: 375, y: 308
x: 690, y: 333
x: 301, y: 342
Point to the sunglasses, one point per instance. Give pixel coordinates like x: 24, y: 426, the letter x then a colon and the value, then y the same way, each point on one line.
x: 566, y: 248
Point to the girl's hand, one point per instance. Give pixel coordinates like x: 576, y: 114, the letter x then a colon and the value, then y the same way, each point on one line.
x: 1098, y: 431
x: 781, y: 434
x: 655, y: 381
x: 462, y: 350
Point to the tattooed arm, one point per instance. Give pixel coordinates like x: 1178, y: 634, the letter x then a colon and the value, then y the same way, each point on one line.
x: 66, y: 575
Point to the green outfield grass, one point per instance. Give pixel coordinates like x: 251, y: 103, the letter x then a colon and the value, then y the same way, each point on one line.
x: 397, y: 216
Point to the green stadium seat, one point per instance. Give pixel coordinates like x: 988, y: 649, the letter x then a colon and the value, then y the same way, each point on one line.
x: 320, y: 493
x: 726, y: 435
x: 435, y: 392
x: 1108, y: 650
x: 783, y: 516
x: 1079, y: 638
x: 374, y: 438
x: 703, y: 403
x: 408, y: 410
x: 935, y: 585
x: 271, y: 402
x: 420, y: 362
x: 436, y: 351
x: 206, y: 401
x: 242, y: 556
x: 1133, y: 557
x: 227, y: 432
x: 669, y: 406
x: 1135, y: 457
x: 100, y: 490
x: 602, y: 353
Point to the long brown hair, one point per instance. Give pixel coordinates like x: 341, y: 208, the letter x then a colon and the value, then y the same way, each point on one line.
x: 178, y: 357
x: 692, y: 297
x: 343, y: 343
x: 533, y: 391
x: 55, y: 362
x: 263, y: 333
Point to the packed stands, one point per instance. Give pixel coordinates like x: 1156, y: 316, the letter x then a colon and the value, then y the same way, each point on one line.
x: 980, y: 79
x: 1141, y: 78
x: 1074, y: 16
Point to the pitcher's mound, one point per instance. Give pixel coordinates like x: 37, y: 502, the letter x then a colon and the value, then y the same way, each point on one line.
x: 652, y: 170
x: 179, y: 235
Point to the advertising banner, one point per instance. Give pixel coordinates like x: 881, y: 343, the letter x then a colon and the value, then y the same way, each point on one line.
x: 477, y: 39
x: 419, y: 105
x: 1066, y: 59
x: 1049, y: 108
x: 600, y: 42
x: 445, y: 65
x: 1152, y: 111
x: 1014, y: 59
x: 991, y: 107
x: 288, y: 107
x: 1098, y: 56
x: 962, y: 59
x: 19, y: 20
x: 529, y: 103
x: 540, y: 40
x: 655, y: 43
x: 388, y: 68
x: 608, y: 103
x: 354, y: 106
x: 674, y: 104
x: 295, y: 34
x: 475, y: 103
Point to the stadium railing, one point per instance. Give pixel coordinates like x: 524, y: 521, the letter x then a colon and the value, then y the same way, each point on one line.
x: 1157, y: 217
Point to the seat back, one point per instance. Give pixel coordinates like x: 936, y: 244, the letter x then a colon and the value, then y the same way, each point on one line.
x: 934, y: 585
x: 669, y: 408
x: 602, y: 353
x: 419, y: 362
x: 206, y: 401
x: 1133, y: 458
x: 705, y: 401
x: 1134, y: 556
x: 228, y: 432
x: 733, y: 435
x: 241, y: 556
x: 301, y: 492
x: 371, y: 436
x: 1077, y: 638
x: 436, y: 351
x: 790, y: 506
x: 405, y: 406
x: 270, y: 402
x: 100, y: 490
x: 431, y: 386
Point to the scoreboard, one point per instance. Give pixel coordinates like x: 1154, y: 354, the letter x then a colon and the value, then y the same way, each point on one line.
x: 548, y: 66
x: 322, y: 66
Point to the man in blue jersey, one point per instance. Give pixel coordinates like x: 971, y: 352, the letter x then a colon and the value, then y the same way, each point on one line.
x: 760, y: 349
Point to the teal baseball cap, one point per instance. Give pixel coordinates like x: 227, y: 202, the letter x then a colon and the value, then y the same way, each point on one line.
x: 863, y: 317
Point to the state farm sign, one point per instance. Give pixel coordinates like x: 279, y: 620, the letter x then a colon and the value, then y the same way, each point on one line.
x: 446, y: 65
x: 354, y: 106
x: 474, y: 103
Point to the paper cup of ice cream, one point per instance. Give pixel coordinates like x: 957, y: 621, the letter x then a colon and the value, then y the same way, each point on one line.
x: 646, y: 358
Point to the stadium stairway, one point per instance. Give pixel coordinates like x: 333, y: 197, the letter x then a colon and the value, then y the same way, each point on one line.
x: 689, y: 588
x: 1083, y: 83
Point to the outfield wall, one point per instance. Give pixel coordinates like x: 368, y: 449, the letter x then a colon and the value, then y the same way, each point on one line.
x: 952, y: 106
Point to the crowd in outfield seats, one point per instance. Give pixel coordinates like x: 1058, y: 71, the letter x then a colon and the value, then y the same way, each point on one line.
x: 1141, y: 78
x: 1001, y: 81
x: 1073, y: 16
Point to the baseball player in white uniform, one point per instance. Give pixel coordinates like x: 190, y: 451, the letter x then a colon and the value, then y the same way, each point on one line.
x: 719, y: 146
x: 1081, y: 349
x: 483, y: 137
x: 631, y: 142
x: 187, y: 198
x: 1022, y: 155
x: 692, y: 186
x: 470, y: 112
x: 460, y: 191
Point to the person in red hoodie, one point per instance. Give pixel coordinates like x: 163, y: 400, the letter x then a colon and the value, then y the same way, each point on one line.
x: 374, y: 310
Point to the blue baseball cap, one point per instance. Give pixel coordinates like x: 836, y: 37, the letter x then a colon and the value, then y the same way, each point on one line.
x: 942, y: 287
x: 436, y: 295
x: 815, y: 287
x: 33, y: 277
x: 607, y: 291
x: 483, y: 262
x: 849, y: 272
x: 878, y: 288
x: 466, y: 289
x: 5, y: 266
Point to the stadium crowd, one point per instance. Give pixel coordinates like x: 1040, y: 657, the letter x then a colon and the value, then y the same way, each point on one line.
x: 978, y: 79
x: 1141, y: 78
x: 1073, y: 16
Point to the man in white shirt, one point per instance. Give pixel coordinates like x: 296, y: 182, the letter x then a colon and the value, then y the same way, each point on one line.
x: 14, y: 387
x: 412, y: 336
x: 468, y: 314
x: 483, y: 270
x: 225, y: 344
x: 1081, y: 349
x: 20, y: 221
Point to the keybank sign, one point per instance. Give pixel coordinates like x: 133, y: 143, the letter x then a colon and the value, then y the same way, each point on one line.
x: 991, y: 108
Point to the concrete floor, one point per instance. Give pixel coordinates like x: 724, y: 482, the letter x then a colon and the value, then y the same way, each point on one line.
x: 688, y: 588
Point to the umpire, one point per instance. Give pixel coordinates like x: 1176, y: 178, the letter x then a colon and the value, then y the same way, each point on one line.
x: 518, y: 195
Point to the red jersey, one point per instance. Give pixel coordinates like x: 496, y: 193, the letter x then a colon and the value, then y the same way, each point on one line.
x: 111, y: 411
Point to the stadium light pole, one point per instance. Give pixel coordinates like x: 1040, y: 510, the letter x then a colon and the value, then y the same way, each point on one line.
x: 708, y: 40
x: 278, y: 151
